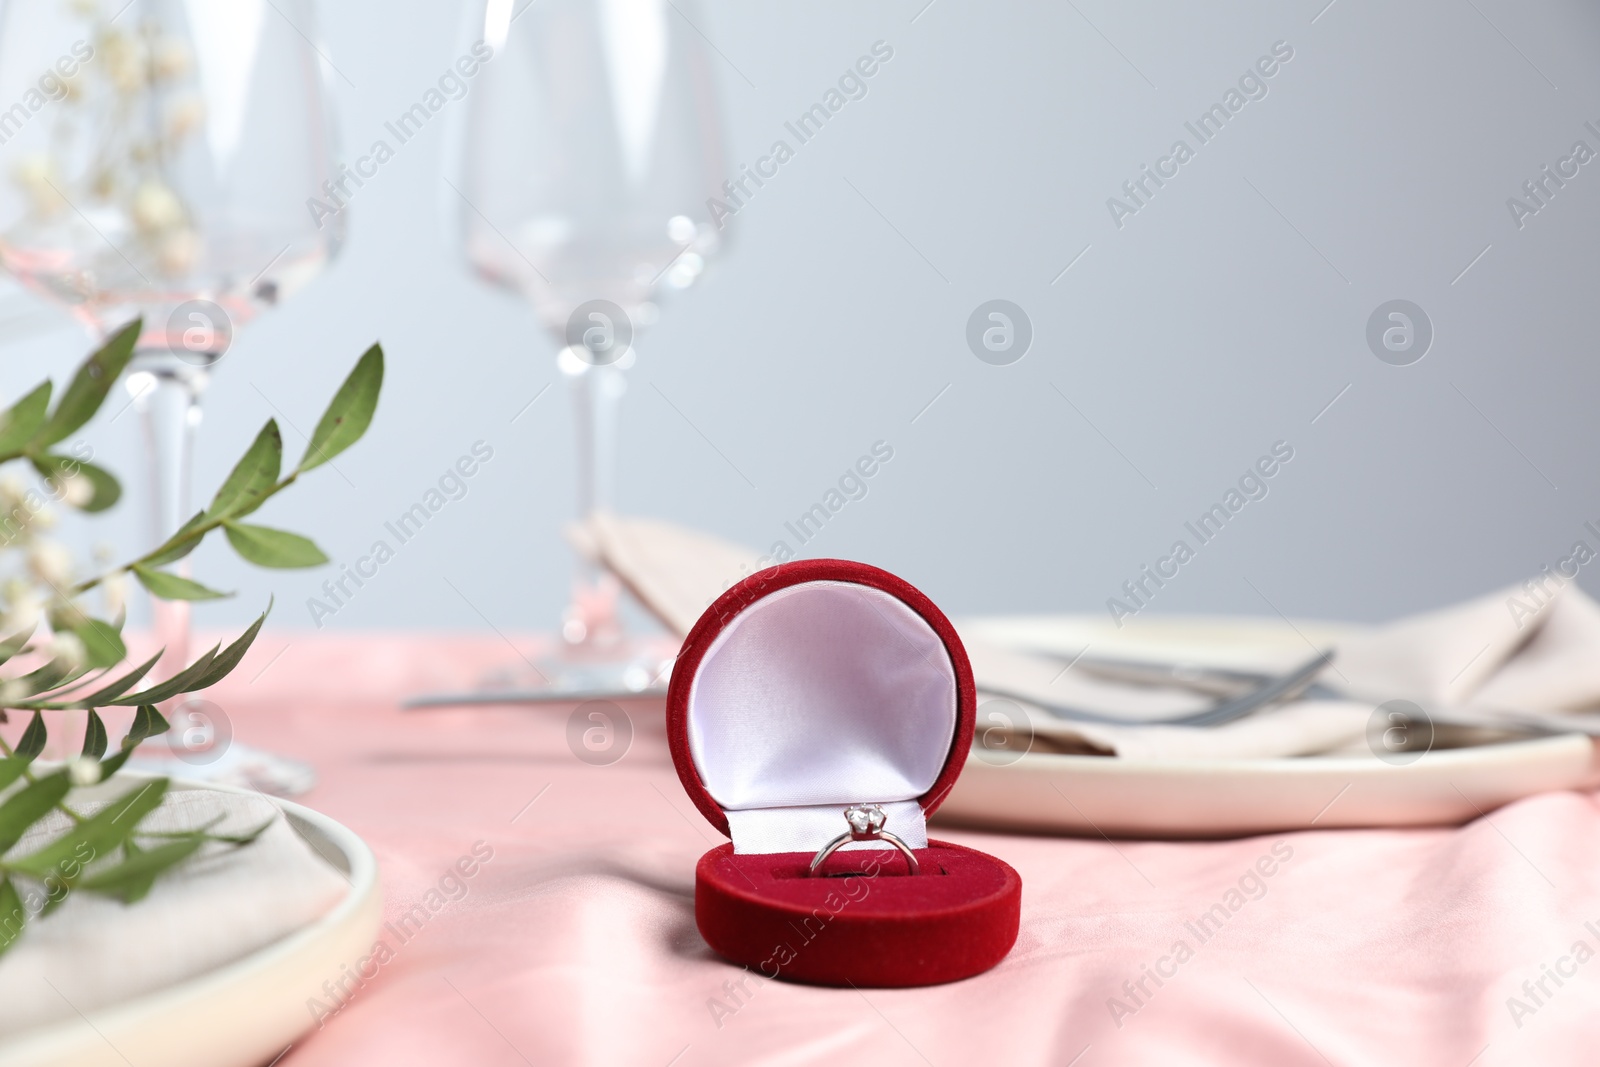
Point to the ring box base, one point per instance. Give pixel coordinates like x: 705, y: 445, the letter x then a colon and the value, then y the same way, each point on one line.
x: 955, y: 919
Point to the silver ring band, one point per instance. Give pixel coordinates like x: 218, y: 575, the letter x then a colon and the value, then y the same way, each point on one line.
x: 866, y: 824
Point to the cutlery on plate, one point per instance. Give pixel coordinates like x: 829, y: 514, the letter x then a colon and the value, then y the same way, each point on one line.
x: 1198, y: 677
x: 1529, y: 722
x: 1269, y: 689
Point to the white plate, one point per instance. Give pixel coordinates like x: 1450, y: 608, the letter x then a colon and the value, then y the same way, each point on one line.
x: 240, y: 1015
x: 1094, y: 795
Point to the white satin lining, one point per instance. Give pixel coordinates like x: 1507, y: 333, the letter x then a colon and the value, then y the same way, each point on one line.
x: 808, y: 829
x: 815, y: 697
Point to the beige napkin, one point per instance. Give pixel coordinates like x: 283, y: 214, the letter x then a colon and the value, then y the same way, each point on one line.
x: 220, y: 906
x: 1488, y: 652
x: 675, y: 573
x: 1527, y: 648
x: 1305, y: 727
x: 1486, y: 655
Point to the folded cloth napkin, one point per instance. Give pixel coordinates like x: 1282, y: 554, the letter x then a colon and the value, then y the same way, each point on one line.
x: 1509, y: 651
x: 221, y: 905
x: 1534, y: 647
x: 1301, y: 728
x: 674, y: 572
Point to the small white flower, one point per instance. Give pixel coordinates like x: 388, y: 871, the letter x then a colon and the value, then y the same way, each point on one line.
x: 170, y: 58
x: 34, y: 167
x: 114, y: 591
x: 83, y: 770
x: 156, y: 207
x: 184, y: 116
x: 51, y: 562
x: 22, y: 615
x: 104, y: 183
x: 177, y: 254
x: 36, y: 174
x: 125, y: 61
x: 77, y: 490
x: 11, y: 691
x: 68, y: 648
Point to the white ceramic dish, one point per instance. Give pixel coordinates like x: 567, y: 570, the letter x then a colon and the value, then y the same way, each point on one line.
x: 1093, y: 795
x: 241, y: 1015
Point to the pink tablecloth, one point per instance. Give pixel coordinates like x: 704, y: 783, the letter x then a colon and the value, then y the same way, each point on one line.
x: 574, y: 942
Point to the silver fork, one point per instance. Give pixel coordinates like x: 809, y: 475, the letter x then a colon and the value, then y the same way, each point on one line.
x: 1270, y: 690
x: 1215, y: 681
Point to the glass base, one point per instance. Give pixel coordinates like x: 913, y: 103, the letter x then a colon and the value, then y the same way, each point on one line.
x: 630, y: 669
x: 238, y: 765
x: 627, y: 667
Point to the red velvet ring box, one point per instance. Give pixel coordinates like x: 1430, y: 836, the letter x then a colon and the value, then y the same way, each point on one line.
x: 805, y: 689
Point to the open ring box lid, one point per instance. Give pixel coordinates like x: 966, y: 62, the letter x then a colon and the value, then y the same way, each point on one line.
x: 804, y: 689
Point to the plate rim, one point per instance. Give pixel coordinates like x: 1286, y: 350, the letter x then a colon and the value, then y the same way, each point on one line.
x: 60, y: 1038
x: 1275, y: 766
x: 984, y: 783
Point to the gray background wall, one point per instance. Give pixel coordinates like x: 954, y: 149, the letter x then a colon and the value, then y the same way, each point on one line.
x: 1223, y: 317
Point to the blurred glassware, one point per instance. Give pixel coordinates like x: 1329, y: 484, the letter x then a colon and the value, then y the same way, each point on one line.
x: 592, y: 145
x: 158, y: 158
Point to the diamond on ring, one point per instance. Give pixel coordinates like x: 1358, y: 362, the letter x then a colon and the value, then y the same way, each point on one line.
x: 866, y: 822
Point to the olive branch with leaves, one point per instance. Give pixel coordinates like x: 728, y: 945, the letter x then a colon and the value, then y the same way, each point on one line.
x: 107, y: 852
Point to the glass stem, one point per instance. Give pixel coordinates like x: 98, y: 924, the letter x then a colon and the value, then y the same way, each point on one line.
x: 591, y: 617
x: 170, y: 407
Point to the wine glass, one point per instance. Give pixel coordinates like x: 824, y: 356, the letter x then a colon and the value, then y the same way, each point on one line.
x: 162, y: 160
x: 591, y: 150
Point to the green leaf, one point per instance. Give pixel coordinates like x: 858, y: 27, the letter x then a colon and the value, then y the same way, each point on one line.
x: 54, y: 897
x: 33, y: 739
x: 11, y: 769
x: 104, y: 489
x: 266, y: 547
x: 101, y: 642
x: 229, y: 657
x: 57, y: 672
x: 253, y: 477
x: 147, y: 722
x: 100, y: 834
x: 185, y: 681
x: 64, y: 615
x: 60, y: 696
x: 350, y: 412
x: 15, y: 643
x: 111, y: 766
x: 176, y: 546
x: 118, y: 687
x: 89, y: 386
x: 12, y: 916
x: 94, y: 736
x: 28, y: 805
x: 245, y: 837
x: 169, y: 586
x: 132, y: 879
x: 23, y: 419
